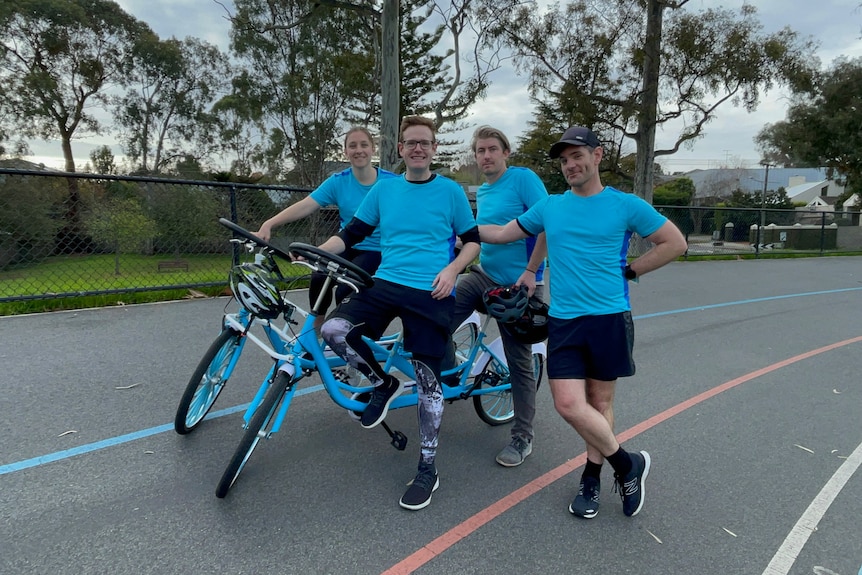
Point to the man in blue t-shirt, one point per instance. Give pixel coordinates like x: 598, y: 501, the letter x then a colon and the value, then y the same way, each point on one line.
x: 590, y: 329
x: 419, y: 216
x: 507, y: 193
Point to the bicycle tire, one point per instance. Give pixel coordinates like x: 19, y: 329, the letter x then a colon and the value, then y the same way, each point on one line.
x: 465, y: 338
x: 254, y: 432
x: 207, y: 381
x: 498, y: 408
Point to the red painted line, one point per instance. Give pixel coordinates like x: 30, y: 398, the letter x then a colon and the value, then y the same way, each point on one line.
x: 472, y: 524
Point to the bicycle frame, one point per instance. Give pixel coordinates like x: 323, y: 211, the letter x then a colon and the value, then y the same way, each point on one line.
x: 343, y: 394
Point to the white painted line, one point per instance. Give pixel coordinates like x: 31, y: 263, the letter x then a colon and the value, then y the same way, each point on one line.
x: 807, y: 524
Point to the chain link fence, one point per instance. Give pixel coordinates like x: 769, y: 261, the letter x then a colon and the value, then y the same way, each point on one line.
x: 71, y: 235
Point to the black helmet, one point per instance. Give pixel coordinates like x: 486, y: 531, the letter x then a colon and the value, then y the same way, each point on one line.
x: 254, y: 288
x: 506, y: 304
x: 532, y: 326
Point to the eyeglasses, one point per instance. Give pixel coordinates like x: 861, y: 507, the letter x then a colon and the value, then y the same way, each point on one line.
x: 424, y: 144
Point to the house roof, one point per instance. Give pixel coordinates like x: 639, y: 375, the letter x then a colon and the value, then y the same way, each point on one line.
x: 724, y: 181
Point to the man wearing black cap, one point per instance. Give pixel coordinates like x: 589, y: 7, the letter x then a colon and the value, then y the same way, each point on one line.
x: 591, y: 334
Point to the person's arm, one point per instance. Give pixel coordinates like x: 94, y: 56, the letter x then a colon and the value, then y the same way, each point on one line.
x: 301, y: 209
x: 493, y: 234
x: 669, y: 245
x: 528, y: 276
x: 444, y: 282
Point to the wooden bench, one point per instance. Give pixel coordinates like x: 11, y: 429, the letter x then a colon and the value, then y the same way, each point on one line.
x: 169, y: 265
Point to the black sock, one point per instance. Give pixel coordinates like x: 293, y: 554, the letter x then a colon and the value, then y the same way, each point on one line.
x: 621, y: 461
x: 592, y: 469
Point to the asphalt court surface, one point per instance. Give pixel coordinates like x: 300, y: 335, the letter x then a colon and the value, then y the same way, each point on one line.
x: 747, y: 397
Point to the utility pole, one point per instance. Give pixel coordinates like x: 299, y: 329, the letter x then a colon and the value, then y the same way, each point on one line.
x: 762, y: 208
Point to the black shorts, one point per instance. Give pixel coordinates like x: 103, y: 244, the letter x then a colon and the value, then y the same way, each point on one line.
x: 425, y: 320
x: 366, y: 259
x: 592, y: 346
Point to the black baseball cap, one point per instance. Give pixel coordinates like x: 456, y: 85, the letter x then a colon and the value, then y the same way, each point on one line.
x: 575, y: 136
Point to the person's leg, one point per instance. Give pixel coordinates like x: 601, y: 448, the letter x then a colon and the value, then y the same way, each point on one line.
x: 600, y: 394
x: 597, y: 349
x: 519, y: 357
x: 426, y: 333
x: 367, y: 314
x: 468, y: 297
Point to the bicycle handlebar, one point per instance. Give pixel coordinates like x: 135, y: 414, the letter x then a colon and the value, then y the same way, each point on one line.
x: 327, y: 263
x: 245, y: 234
x: 341, y: 269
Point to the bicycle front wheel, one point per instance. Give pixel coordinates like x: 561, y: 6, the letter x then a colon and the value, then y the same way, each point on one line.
x: 255, y: 431
x: 464, y: 339
x: 208, y: 381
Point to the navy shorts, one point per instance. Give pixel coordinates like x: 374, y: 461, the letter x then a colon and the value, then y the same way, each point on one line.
x: 592, y: 346
x: 425, y: 320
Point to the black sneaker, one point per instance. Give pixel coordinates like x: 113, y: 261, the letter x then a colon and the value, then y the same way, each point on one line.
x: 586, y: 503
x: 381, y: 398
x: 418, y: 495
x: 631, y: 487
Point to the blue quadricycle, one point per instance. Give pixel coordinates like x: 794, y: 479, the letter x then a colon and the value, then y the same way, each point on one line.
x: 481, y: 372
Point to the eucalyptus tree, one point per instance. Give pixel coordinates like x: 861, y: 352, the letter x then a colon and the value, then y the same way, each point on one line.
x: 164, y: 115
x: 301, y: 63
x: 822, y: 126
x: 628, y: 70
x: 58, y: 61
x: 413, y: 56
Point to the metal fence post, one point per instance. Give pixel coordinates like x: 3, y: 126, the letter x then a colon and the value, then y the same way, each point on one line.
x: 234, y: 216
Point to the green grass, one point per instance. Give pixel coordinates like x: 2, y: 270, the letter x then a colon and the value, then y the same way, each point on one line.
x: 79, y: 274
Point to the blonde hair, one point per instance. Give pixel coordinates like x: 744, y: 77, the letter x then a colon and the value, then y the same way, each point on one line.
x: 409, y: 121
x: 362, y: 129
x: 485, y: 132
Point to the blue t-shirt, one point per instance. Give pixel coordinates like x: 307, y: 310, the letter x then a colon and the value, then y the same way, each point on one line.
x: 418, y: 223
x: 499, y: 203
x: 588, y: 239
x: 345, y: 192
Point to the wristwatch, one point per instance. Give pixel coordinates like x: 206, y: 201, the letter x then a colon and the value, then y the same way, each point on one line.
x: 630, y: 274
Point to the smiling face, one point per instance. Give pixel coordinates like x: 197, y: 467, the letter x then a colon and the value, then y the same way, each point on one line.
x: 491, y: 158
x: 417, y: 147
x: 358, y: 148
x: 580, y: 167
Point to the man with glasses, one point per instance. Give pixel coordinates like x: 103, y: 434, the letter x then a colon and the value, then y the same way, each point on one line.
x: 419, y: 216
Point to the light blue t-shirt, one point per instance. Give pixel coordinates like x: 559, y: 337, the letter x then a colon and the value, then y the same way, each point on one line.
x: 588, y: 239
x: 499, y: 203
x: 418, y: 223
x: 344, y: 191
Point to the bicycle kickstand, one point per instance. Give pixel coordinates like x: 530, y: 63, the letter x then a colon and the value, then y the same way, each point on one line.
x: 399, y: 440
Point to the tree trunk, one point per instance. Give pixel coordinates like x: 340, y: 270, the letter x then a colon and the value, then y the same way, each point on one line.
x: 389, y: 85
x: 645, y: 139
x: 69, y: 238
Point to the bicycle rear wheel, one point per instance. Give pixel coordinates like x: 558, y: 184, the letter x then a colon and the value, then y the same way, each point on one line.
x: 498, y: 407
x: 255, y: 431
x: 207, y: 381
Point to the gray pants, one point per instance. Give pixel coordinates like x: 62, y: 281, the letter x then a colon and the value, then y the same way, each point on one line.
x: 519, y: 356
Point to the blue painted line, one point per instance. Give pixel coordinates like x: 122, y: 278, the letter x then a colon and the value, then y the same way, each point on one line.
x: 120, y: 439
x: 56, y: 456
x: 745, y: 301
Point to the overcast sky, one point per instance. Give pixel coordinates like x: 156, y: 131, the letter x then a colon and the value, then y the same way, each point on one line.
x: 835, y: 24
